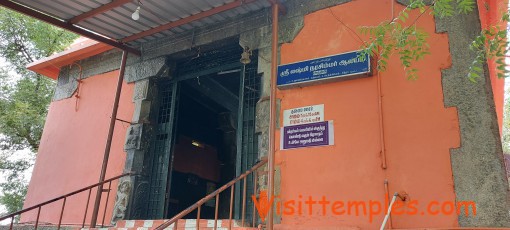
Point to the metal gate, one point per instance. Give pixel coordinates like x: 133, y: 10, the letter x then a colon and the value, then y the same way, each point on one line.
x: 158, y: 159
x: 247, y: 150
x: 158, y: 162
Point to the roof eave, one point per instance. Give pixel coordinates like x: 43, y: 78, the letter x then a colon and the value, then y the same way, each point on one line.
x: 50, y: 66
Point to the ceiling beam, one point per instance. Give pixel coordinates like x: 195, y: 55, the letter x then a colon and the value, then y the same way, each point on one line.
x: 67, y: 26
x: 99, y: 10
x: 217, y: 92
x: 189, y: 19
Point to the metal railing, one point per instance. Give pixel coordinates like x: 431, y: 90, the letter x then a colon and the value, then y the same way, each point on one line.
x: 12, y: 216
x: 216, y: 194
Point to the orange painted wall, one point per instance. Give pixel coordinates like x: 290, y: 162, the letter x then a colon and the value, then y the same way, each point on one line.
x: 491, y: 12
x: 418, y: 129
x: 72, y: 148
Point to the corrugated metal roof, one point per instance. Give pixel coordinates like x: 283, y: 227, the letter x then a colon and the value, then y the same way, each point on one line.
x: 118, y: 24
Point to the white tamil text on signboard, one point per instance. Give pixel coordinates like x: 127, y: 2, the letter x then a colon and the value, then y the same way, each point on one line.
x: 343, y: 66
x: 307, y: 135
x: 303, y: 115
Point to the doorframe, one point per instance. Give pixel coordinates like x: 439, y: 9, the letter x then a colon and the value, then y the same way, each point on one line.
x: 238, y: 164
x: 175, y: 80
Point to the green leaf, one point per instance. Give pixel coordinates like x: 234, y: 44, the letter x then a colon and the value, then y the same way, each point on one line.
x: 505, y: 17
x: 465, y: 6
x: 473, y: 76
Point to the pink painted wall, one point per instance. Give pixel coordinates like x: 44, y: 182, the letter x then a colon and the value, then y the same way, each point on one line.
x: 419, y: 131
x: 72, y: 148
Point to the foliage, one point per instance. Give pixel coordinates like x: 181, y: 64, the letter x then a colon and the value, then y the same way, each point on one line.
x: 505, y: 140
x: 490, y: 44
x: 402, y: 38
x: 24, y: 95
x: 23, y: 104
x: 14, y: 189
x: 23, y: 111
x: 25, y: 39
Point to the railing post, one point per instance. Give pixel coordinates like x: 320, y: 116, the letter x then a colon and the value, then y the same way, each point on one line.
x: 106, y: 203
x: 243, y: 212
x: 231, y: 208
x: 106, y: 156
x: 86, y: 209
x: 37, y: 219
x: 198, y: 217
x: 61, y: 213
x: 216, y: 211
x: 254, y: 216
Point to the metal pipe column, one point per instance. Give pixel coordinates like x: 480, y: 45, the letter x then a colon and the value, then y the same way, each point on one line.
x: 109, y: 140
x: 272, y: 113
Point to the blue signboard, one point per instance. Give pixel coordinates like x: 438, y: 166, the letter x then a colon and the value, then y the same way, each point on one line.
x: 340, y: 66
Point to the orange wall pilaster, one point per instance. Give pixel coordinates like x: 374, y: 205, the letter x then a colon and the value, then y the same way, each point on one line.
x: 419, y: 131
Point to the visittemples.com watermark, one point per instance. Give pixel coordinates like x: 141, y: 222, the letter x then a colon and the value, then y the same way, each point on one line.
x: 309, y: 205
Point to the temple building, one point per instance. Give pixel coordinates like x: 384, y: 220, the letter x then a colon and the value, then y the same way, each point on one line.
x: 263, y: 114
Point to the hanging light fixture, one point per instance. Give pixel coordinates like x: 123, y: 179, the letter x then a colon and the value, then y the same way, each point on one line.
x: 136, y: 15
x: 245, y: 56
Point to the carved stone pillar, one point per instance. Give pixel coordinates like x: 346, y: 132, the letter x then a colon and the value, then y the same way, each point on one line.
x: 131, y: 198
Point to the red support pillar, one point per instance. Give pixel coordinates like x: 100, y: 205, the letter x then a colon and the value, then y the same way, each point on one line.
x: 272, y: 114
x: 109, y: 140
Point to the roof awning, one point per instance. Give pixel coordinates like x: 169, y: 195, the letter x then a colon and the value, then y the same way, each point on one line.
x: 110, y: 22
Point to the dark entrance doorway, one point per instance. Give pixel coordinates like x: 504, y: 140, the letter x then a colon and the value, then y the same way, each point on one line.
x: 204, y: 153
x: 204, y: 133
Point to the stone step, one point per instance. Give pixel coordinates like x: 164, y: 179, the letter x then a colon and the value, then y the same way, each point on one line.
x: 188, y: 224
x: 172, y: 228
x: 32, y: 226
